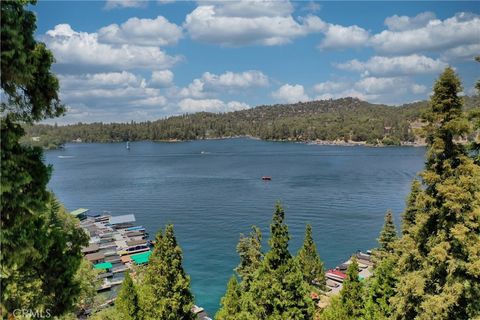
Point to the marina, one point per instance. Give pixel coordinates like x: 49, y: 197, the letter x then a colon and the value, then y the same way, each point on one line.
x: 116, y: 245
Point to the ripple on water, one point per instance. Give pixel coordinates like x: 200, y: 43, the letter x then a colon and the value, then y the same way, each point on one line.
x: 213, y: 197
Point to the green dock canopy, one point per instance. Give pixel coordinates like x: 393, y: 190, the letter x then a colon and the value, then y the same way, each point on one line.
x: 78, y: 212
x: 104, y: 265
x: 141, y: 258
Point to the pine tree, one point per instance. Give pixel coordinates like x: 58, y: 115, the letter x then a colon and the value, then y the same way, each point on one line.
x: 278, y: 290
x: 41, y: 244
x: 249, y: 249
x: 351, y: 294
x: 309, y: 260
x: 408, y: 217
x: 278, y: 242
x: 231, y: 307
x: 381, y: 287
x: 165, y: 288
x: 439, y: 256
x: 127, y: 300
x: 388, y: 234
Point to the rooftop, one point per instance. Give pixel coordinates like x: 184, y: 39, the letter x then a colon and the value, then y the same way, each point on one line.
x: 122, y: 219
x: 103, y: 265
x: 78, y: 212
x: 141, y: 258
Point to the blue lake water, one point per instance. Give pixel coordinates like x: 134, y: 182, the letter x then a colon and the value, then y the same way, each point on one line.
x: 212, y: 191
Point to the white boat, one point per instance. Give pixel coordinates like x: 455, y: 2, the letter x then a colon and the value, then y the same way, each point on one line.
x: 128, y: 145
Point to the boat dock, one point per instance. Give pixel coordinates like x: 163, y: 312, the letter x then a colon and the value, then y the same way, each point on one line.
x: 116, y: 245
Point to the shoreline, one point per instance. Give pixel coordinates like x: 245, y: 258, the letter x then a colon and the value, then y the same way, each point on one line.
x: 339, y: 143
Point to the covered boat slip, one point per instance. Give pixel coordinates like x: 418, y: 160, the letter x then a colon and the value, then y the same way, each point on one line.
x: 110, y: 235
x: 115, y: 247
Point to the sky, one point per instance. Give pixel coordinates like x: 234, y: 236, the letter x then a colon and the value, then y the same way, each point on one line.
x: 119, y: 61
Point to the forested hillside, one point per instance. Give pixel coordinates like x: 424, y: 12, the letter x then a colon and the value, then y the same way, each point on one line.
x: 344, y: 119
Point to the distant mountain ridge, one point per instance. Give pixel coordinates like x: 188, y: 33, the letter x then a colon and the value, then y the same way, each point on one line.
x: 346, y: 119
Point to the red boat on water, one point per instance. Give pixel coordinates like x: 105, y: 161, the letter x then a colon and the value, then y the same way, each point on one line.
x: 266, y: 178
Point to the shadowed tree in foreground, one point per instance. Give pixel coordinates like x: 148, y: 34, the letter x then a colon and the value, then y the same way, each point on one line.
x: 41, y: 244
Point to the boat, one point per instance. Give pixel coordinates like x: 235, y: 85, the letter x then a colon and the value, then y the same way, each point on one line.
x: 266, y: 178
x: 128, y: 145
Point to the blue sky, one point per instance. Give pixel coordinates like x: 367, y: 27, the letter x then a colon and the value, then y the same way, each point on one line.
x: 139, y: 60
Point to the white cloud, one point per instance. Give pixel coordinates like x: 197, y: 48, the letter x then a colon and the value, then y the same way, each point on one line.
x: 194, y: 90
x: 340, y: 37
x: 251, y: 8
x: 401, y: 65
x: 229, y: 82
x: 466, y: 52
x: 246, y: 79
x: 145, y: 32
x: 418, y: 88
x: 389, y: 90
x: 434, y: 35
x: 237, y: 23
x: 290, y: 94
x: 162, y: 78
x: 402, y: 23
x: 330, y: 86
x: 373, y: 85
x: 100, y: 80
x: 112, y: 4
x: 210, y: 105
x: 84, y: 49
x: 109, y: 90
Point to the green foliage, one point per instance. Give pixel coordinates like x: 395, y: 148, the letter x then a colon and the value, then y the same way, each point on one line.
x: 165, y: 288
x: 409, y: 215
x: 388, y: 235
x: 309, y: 260
x: 30, y: 87
x: 86, y: 276
x: 276, y: 288
x: 278, y: 242
x: 127, y: 300
x: 249, y: 248
x: 351, y: 294
x: 41, y: 244
x: 381, y: 287
x: 230, y: 303
x: 110, y: 313
x: 334, y: 311
x: 342, y: 119
x: 438, y: 257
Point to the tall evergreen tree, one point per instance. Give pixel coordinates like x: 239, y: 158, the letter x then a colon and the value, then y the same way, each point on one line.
x: 381, y: 287
x: 439, y: 256
x: 388, y: 234
x: 41, y: 245
x: 249, y: 249
x: 127, y: 303
x: 165, y: 290
x: 408, y: 217
x: 231, y: 302
x: 278, y: 242
x: 309, y: 260
x: 278, y: 290
x: 351, y: 294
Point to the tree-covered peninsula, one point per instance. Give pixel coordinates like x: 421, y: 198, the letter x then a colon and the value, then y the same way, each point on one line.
x: 346, y: 119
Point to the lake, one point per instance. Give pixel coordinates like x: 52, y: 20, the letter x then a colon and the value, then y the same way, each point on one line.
x: 212, y: 191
